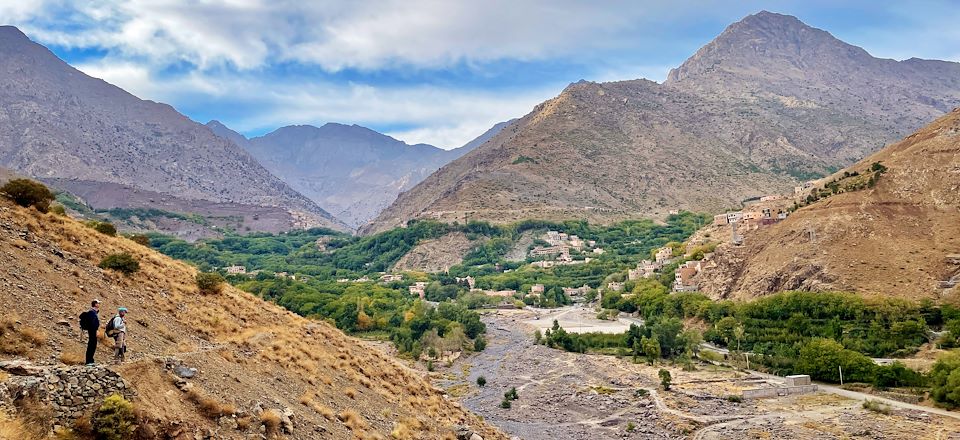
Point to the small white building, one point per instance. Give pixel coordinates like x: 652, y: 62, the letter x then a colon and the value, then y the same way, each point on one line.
x: 236, y: 270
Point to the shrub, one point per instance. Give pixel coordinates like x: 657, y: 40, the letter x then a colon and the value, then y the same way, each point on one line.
x: 505, y: 404
x: 479, y: 344
x: 123, y: 263
x: 734, y: 398
x: 665, y: 379
x: 631, y: 427
x: 27, y: 193
x: 140, y: 239
x: 641, y: 392
x: 115, y: 419
x: 58, y: 210
x: 210, y: 283
x: 877, y: 407
x: 481, y: 381
x: 105, y: 228
x: 270, y: 420
x: 511, y: 395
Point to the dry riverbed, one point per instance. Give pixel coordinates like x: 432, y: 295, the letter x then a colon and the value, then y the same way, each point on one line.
x: 576, y: 396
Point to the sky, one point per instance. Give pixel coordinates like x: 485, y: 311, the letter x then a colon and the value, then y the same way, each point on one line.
x: 424, y: 71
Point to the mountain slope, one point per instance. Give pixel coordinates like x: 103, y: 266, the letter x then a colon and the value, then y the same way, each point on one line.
x: 61, y: 125
x: 251, y: 355
x: 891, y: 239
x: 351, y: 171
x: 764, y: 105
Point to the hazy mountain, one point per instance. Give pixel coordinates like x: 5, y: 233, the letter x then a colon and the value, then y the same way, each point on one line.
x: 769, y: 102
x: 349, y: 170
x: 891, y: 238
x: 62, y: 126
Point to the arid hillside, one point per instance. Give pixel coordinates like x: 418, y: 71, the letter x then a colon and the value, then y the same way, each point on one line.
x: 768, y: 103
x: 260, y: 369
x: 891, y: 239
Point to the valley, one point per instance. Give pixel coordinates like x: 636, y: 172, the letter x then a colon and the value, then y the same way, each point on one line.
x: 763, y: 244
x: 582, y: 396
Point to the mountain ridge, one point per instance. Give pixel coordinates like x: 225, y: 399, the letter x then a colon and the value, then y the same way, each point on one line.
x: 59, y: 123
x: 350, y: 170
x: 718, y: 131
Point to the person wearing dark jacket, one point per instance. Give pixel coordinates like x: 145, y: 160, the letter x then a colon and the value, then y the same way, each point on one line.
x: 90, y: 322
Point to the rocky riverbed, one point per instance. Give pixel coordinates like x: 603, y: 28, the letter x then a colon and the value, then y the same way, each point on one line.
x: 572, y: 396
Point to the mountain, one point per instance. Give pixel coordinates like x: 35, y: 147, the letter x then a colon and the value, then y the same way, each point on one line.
x: 77, y: 132
x: 349, y: 170
x: 480, y: 140
x: 768, y: 103
x: 891, y: 238
x: 199, y: 365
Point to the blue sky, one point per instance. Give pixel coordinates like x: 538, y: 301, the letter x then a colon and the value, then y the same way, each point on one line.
x: 437, y: 71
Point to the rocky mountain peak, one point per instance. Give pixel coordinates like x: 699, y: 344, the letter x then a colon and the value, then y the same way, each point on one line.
x: 772, y: 40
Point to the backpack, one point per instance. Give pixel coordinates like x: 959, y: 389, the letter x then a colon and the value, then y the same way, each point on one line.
x: 111, y: 327
x: 85, y: 323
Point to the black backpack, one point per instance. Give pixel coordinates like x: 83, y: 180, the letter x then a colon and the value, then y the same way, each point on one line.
x: 111, y: 327
x: 86, y: 320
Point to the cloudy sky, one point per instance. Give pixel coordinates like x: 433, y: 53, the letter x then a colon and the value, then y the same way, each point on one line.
x: 432, y: 71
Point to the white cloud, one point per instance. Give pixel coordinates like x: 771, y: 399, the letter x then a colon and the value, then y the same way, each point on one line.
x: 445, y: 117
x: 371, y: 34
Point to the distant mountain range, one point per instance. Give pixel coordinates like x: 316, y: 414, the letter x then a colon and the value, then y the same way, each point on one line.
x: 88, y: 137
x: 769, y: 102
x: 351, y: 171
x: 889, y: 238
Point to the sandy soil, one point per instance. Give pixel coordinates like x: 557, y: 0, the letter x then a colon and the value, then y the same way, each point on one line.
x: 579, y: 319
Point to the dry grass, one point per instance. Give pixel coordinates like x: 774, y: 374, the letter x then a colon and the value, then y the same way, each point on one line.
x: 11, y: 428
x: 350, y: 392
x: 406, y: 429
x: 323, y: 410
x: 17, y: 339
x: 209, y: 406
x: 72, y: 358
x: 243, y: 423
x: 36, y: 417
x: 351, y: 419
x: 270, y: 420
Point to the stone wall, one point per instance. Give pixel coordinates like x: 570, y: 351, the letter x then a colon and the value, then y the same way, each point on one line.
x: 763, y: 393
x: 70, y: 391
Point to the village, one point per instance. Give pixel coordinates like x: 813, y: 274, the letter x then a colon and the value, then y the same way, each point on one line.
x: 556, y: 248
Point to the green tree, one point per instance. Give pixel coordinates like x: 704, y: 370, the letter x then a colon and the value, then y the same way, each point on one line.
x: 945, y: 380
x: 651, y: 348
x: 822, y: 359
x: 481, y: 381
x: 665, y: 379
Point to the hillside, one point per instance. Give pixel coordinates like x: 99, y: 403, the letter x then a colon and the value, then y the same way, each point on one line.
x: 889, y: 239
x: 251, y: 356
x: 74, y: 131
x: 349, y: 170
x: 768, y: 103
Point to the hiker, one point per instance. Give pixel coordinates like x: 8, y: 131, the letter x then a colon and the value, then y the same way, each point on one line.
x: 90, y: 322
x: 117, y: 329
